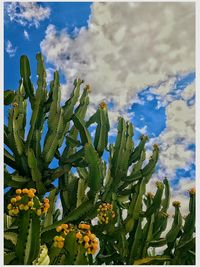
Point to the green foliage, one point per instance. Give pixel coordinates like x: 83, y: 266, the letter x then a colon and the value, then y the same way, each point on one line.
x: 98, y: 189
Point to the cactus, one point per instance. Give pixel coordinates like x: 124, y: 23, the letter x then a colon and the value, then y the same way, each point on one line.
x: 35, y: 231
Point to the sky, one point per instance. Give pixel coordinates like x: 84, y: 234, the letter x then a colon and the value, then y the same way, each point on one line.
x: 139, y: 57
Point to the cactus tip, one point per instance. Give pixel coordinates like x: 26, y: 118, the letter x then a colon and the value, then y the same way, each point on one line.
x: 176, y: 203
x: 103, y: 105
x: 192, y: 191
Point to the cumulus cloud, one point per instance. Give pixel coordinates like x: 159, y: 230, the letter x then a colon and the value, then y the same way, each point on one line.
x: 26, y: 35
x: 10, y: 49
x: 27, y: 13
x: 178, y: 134
x: 126, y: 47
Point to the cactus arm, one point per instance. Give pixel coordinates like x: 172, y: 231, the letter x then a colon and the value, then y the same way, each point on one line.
x: 33, y: 240
x: 189, y: 226
x: 92, y: 119
x: 71, y: 248
x: 136, y: 173
x: 150, y: 167
x: 156, y: 201
x: 166, y: 200
x: 9, y: 159
x: 176, y: 226
x: 48, y: 220
x: 16, y: 128
x: 135, y: 247
x: 25, y: 73
x: 23, y: 234
x: 84, y: 134
x: 69, y: 104
x: 148, y: 235
x: 55, y: 123
x: 84, y: 102
x: 119, y: 145
x: 51, y: 142
x: 95, y: 175
x: 136, y: 154
x: 82, y: 185
x: 35, y: 172
x: 101, y: 135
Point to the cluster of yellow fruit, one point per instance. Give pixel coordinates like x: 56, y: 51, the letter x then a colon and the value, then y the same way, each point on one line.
x: 105, y: 213
x: 87, y: 239
x: 25, y: 199
x: 63, y: 229
x: 83, y: 235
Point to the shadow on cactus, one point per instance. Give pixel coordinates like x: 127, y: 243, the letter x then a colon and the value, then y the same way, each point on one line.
x: 108, y: 217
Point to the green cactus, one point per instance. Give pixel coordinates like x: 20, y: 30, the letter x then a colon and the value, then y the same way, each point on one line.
x: 129, y: 221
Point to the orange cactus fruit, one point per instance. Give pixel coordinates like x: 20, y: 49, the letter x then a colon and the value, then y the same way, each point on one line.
x: 79, y: 235
x: 86, y: 238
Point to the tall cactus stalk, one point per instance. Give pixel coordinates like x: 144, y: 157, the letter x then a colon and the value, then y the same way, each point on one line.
x: 130, y: 222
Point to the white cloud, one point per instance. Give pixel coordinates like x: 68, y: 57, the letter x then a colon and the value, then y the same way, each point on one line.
x: 174, y: 140
x: 10, y: 49
x: 189, y: 92
x: 26, y: 35
x: 27, y: 13
x: 126, y: 47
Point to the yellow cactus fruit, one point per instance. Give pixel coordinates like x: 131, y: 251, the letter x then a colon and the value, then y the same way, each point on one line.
x: 25, y: 191
x: 92, y: 236
x: 60, y: 244
x: 30, y: 204
x: 58, y: 229
x: 30, y: 194
x: 60, y: 238
x: 95, y: 246
x: 9, y: 207
x: 86, y: 238
x: 55, y: 238
x: 38, y: 212
x: 18, y: 191
x: 16, y: 211
x: 18, y: 198
x: 26, y: 207
x: 46, y: 205
x: 33, y: 190
x: 21, y: 206
x: 46, y: 200
x: 13, y: 200
x: 79, y: 235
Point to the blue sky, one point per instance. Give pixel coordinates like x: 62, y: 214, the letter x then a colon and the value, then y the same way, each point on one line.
x: 126, y: 62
